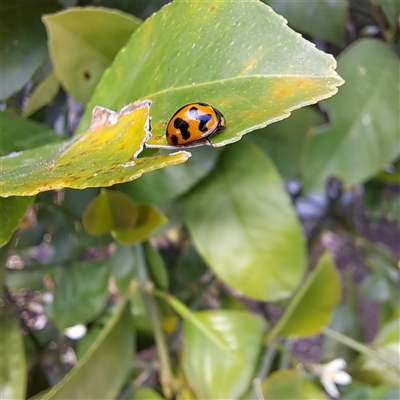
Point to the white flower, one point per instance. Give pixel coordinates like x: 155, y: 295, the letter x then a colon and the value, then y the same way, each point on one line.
x: 332, y: 374
x: 75, y: 332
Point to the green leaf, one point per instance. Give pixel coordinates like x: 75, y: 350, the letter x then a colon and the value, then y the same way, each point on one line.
x: 13, y: 210
x: 290, y: 384
x: 123, y: 267
x: 21, y: 134
x: 80, y: 292
x: 13, y: 371
x: 83, y: 42
x: 243, y: 225
x: 23, y: 43
x: 311, y: 308
x: 237, y: 56
x: 363, y: 133
x: 105, y: 155
x: 101, y: 372
x: 149, y: 219
x: 357, y: 391
x: 322, y: 19
x: 168, y: 183
x: 156, y: 266
x: 110, y: 210
x: 284, y: 140
x: 43, y: 94
x: 212, y: 372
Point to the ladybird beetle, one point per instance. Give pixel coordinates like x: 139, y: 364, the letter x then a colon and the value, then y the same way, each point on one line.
x: 194, y: 122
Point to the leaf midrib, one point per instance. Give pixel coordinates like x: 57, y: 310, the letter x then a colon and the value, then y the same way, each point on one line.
x: 249, y: 77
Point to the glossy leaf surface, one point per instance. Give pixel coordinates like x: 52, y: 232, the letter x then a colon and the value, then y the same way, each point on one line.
x: 106, y: 363
x: 216, y: 372
x: 242, y: 223
x: 101, y: 157
x: 363, y: 133
x: 238, y: 56
x: 80, y: 292
x: 13, y: 368
x: 311, y: 308
x: 83, y: 42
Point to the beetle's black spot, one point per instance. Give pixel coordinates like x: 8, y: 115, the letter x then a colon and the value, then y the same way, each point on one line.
x: 202, y: 118
x: 174, y: 139
x: 183, y: 126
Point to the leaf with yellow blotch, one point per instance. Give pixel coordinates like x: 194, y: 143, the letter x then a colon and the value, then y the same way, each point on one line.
x: 238, y: 56
x: 103, y: 156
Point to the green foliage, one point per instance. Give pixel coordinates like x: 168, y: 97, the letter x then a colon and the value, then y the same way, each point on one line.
x: 365, y: 110
x: 260, y: 85
x: 323, y: 19
x: 23, y: 43
x: 264, y: 261
x: 204, y: 271
x: 13, y: 363
x: 74, y: 45
x: 106, y: 362
x: 276, y: 386
x: 311, y: 308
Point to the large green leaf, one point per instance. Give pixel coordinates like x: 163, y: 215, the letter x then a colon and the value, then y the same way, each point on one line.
x: 284, y: 140
x: 12, y: 355
x: 243, y: 224
x: 363, y: 134
x: 12, y: 211
x: 322, y: 19
x: 290, y: 384
x: 216, y: 372
x: 105, y: 155
x: 100, y: 373
x: 80, y: 292
x: 312, y: 307
x: 237, y: 56
x: 82, y: 44
x: 21, y: 134
x: 23, y: 42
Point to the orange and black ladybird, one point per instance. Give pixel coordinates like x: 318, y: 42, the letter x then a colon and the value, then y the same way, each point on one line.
x: 194, y: 122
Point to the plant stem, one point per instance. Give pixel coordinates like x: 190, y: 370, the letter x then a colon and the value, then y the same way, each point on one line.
x: 361, y: 348
x: 166, y: 377
x: 266, y: 361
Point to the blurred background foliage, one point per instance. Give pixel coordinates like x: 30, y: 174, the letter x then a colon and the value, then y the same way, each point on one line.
x: 244, y: 272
